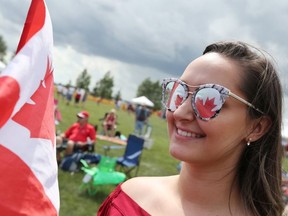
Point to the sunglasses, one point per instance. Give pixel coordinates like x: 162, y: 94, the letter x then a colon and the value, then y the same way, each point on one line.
x: 207, y: 99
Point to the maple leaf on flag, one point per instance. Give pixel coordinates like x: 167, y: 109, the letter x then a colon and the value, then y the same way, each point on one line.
x: 41, y: 111
x: 205, y: 109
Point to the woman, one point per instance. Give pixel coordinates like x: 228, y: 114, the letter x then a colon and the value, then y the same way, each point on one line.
x: 231, y: 159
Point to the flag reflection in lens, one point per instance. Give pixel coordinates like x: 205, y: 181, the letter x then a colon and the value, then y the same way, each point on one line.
x: 207, y: 102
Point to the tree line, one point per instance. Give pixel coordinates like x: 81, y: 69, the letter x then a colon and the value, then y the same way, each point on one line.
x: 104, y: 88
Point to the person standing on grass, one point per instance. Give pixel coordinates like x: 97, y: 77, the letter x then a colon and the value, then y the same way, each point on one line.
x: 69, y: 94
x: 141, y: 116
x: 224, y: 122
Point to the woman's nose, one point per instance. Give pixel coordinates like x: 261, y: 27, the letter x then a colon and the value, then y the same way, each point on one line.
x: 185, y: 110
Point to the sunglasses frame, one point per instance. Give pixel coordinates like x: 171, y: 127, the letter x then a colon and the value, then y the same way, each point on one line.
x: 223, y: 91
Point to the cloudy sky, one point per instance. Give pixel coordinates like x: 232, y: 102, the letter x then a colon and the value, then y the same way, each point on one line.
x: 137, y: 39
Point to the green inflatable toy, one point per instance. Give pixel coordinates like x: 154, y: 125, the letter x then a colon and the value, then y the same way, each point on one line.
x: 103, y: 174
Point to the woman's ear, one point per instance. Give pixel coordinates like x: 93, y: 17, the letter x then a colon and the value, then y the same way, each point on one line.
x: 259, y: 128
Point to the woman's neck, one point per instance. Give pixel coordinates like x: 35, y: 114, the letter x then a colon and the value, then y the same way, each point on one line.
x: 214, y: 190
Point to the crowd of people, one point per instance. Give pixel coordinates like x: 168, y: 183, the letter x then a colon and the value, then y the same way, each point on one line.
x: 69, y: 92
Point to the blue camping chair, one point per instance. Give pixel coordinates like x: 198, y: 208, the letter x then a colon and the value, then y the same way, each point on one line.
x: 132, y: 155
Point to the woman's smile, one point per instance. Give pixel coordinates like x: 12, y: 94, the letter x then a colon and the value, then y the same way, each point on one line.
x: 189, y: 134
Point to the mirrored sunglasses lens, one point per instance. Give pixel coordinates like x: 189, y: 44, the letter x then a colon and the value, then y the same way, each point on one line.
x: 174, y: 95
x: 207, y: 102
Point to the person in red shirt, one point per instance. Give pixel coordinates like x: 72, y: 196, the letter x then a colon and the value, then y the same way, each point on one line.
x: 79, y: 135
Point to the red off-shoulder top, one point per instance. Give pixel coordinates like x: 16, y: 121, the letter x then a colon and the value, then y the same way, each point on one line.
x: 119, y: 203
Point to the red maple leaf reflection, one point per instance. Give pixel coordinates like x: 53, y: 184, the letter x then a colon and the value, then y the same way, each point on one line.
x: 38, y: 118
x: 205, y: 109
x: 178, y: 100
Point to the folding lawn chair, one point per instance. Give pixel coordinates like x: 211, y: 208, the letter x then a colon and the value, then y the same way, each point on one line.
x: 102, y: 174
x: 132, y: 155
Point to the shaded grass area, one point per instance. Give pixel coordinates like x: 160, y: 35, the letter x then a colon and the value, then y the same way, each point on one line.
x: 154, y: 162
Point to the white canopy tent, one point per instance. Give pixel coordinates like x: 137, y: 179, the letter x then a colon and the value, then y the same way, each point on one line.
x: 142, y: 101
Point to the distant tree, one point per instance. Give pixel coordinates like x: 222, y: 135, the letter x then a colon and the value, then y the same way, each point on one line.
x: 118, y: 96
x: 3, y: 48
x: 151, y: 90
x: 83, y: 80
x: 103, y: 87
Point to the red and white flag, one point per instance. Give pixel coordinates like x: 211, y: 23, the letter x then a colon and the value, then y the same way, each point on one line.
x: 28, y: 167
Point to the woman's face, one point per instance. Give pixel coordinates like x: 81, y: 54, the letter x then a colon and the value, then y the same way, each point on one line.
x: 221, y: 139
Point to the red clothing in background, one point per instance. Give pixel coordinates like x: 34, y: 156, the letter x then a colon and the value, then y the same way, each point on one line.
x: 110, y: 119
x: 77, y: 133
x: 118, y: 203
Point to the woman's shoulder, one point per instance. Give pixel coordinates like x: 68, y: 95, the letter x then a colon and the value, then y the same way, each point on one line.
x: 119, y: 203
x: 149, y: 190
x: 146, y: 183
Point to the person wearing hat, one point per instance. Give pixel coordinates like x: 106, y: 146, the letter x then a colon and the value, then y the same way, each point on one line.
x: 109, y: 123
x: 79, y: 134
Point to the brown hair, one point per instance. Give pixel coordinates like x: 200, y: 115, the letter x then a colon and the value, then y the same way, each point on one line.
x: 259, y: 171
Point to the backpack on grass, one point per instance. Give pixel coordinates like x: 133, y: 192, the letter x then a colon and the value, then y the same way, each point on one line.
x: 72, y: 162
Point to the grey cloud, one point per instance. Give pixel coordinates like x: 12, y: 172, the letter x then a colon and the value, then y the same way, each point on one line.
x: 140, y: 39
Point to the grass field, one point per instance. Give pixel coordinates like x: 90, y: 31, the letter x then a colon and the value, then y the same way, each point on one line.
x: 155, y: 161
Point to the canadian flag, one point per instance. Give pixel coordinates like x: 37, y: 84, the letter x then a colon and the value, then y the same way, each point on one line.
x: 28, y: 167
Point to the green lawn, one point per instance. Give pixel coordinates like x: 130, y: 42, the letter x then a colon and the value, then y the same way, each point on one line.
x: 155, y: 161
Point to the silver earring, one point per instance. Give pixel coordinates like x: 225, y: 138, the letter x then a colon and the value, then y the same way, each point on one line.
x: 249, y: 142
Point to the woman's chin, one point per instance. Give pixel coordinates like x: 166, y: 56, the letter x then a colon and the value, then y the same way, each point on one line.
x: 177, y: 152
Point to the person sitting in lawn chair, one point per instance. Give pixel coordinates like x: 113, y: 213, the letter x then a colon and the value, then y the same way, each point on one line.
x: 109, y: 123
x: 79, y: 136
